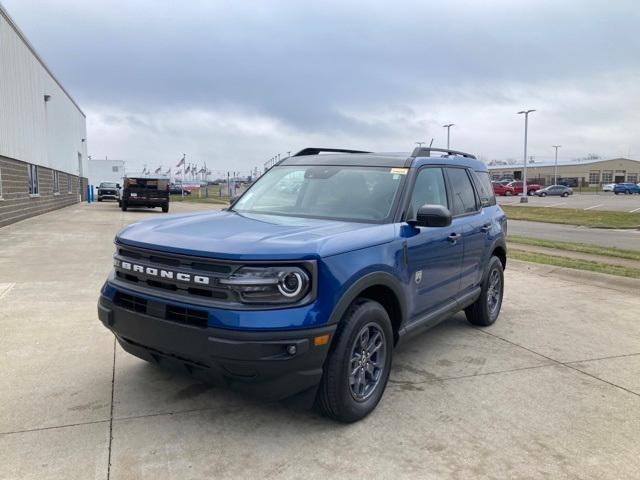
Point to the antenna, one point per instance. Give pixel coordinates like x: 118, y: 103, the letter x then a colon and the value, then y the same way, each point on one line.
x: 431, y: 144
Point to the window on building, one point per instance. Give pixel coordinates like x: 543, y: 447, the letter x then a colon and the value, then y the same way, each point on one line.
x: 464, y: 197
x: 69, y: 184
x: 631, y: 177
x: 56, y: 182
x: 594, y: 176
x: 34, y: 186
x: 607, y: 176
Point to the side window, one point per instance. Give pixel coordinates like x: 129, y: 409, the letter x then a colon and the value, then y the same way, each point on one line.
x: 464, y: 197
x: 428, y: 189
x: 485, y: 190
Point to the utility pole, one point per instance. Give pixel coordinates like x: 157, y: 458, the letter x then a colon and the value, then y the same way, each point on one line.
x: 555, y: 170
x: 448, y: 127
x: 524, y: 198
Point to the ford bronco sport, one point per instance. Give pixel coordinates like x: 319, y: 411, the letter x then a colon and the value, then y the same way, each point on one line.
x: 308, y: 281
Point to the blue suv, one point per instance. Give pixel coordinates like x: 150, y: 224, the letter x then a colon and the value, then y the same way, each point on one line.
x: 307, y: 283
x: 628, y: 188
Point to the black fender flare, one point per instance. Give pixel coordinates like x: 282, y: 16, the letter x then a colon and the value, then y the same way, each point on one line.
x: 499, y: 242
x: 384, y: 279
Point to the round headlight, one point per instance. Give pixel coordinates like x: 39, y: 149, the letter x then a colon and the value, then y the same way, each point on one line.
x: 291, y: 284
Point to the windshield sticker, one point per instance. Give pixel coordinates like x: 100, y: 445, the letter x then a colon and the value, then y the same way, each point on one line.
x: 399, y: 171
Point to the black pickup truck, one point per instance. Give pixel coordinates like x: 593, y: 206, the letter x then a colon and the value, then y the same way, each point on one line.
x: 145, y: 192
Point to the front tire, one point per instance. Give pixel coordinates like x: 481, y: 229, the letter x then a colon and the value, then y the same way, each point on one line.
x: 485, y: 310
x: 508, y: 193
x: 543, y: 194
x: 123, y: 206
x: 357, y: 368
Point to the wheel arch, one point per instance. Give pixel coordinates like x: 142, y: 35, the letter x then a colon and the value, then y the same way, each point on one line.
x: 381, y: 287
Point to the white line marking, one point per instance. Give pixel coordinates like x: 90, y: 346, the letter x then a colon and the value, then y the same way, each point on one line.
x: 554, y: 205
x: 5, y: 288
x: 635, y: 210
x: 595, y: 206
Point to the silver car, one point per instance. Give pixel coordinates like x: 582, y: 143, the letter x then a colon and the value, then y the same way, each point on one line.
x: 558, y: 190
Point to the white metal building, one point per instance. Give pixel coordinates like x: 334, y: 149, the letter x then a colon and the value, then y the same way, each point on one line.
x: 106, y: 171
x: 40, y: 125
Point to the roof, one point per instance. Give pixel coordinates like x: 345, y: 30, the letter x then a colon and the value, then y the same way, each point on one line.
x: 23, y: 37
x: 391, y: 160
x: 560, y: 164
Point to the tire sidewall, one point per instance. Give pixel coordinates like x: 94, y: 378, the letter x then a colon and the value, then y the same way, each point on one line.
x: 494, y: 264
x: 364, y: 312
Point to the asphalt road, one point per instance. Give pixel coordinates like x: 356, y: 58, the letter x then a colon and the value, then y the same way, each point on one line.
x: 543, y: 393
x: 627, y: 239
x: 601, y: 201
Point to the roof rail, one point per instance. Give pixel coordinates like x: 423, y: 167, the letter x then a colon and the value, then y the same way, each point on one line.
x: 316, y: 151
x: 426, y: 152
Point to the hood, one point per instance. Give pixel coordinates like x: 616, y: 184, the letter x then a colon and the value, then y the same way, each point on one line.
x: 235, y: 236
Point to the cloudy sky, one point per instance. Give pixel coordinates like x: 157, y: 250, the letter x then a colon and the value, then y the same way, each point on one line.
x: 232, y: 83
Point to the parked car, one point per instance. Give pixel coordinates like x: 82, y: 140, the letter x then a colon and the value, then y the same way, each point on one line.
x: 309, y: 293
x: 608, y: 187
x: 628, y: 188
x: 502, y: 189
x: 558, y: 190
x: 108, y: 191
x: 517, y: 187
x: 177, y: 190
x: 145, y: 192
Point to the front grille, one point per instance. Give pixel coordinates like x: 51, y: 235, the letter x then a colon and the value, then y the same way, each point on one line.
x: 172, y: 313
x: 188, y: 316
x: 130, y: 302
x: 164, y: 265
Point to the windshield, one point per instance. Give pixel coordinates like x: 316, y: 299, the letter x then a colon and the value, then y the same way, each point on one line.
x: 107, y: 185
x: 321, y: 191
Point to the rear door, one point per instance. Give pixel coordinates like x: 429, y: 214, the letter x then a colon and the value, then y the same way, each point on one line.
x: 434, y: 254
x: 468, y: 218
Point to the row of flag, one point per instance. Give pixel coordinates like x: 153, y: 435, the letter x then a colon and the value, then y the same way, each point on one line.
x: 182, y: 168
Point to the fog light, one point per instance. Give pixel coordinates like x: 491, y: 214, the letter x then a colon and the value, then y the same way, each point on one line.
x: 292, y: 349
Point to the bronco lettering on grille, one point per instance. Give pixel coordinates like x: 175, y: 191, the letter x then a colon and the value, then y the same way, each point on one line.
x: 159, y: 272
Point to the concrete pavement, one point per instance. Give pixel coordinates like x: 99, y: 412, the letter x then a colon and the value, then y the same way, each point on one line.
x: 550, y: 391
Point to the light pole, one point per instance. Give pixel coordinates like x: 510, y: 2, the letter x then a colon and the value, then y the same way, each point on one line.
x: 448, y: 127
x: 524, y: 198
x: 555, y: 170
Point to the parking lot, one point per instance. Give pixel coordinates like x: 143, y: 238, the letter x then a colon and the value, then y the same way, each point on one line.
x: 584, y: 201
x: 552, y: 390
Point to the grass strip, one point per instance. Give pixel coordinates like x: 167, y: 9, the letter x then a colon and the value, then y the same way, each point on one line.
x: 575, y: 263
x: 576, y: 247
x: 574, y: 216
x: 193, y: 198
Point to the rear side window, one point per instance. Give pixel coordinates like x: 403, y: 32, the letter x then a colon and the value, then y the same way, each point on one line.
x: 485, y: 190
x: 462, y: 193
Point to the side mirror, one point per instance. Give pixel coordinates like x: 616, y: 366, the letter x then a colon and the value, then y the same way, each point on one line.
x: 432, y: 216
x: 118, y: 186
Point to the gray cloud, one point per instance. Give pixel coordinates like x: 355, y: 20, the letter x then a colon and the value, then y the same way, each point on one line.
x: 237, y: 81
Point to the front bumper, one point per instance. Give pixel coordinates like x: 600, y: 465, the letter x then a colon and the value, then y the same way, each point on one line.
x: 256, y: 362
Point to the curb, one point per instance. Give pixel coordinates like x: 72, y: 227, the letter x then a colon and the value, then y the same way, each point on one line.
x: 603, y: 280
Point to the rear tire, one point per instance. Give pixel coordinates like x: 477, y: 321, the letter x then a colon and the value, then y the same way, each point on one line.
x: 357, y: 368
x: 485, y: 310
x: 543, y: 194
x: 165, y: 208
x: 565, y: 194
x: 123, y: 206
x: 508, y: 193
x: 531, y: 192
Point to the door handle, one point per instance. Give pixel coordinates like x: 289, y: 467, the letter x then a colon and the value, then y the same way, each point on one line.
x: 454, y: 237
x: 486, y: 227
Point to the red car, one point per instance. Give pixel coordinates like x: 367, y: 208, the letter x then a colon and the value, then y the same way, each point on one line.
x: 501, y: 189
x: 516, y: 187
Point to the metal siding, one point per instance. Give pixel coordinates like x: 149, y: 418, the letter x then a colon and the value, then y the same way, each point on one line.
x: 47, y: 134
